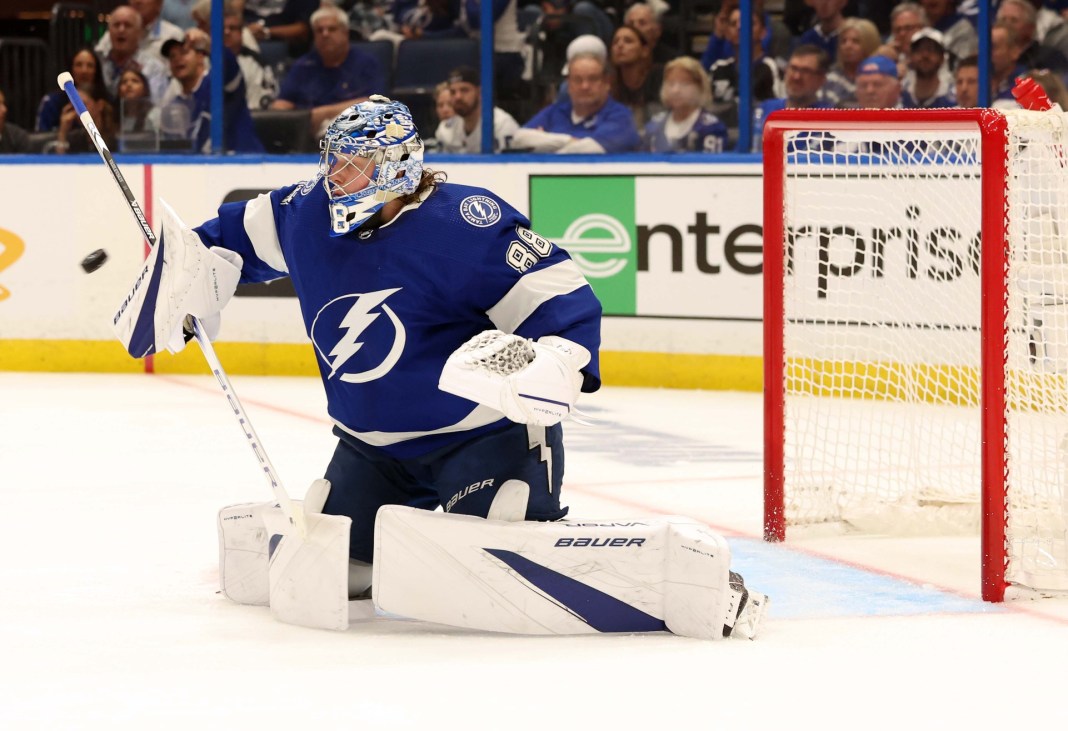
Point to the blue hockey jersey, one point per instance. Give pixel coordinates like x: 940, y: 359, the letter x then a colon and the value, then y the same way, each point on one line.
x: 386, y: 306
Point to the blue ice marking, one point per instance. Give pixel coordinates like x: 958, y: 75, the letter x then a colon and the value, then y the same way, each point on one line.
x: 802, y: 586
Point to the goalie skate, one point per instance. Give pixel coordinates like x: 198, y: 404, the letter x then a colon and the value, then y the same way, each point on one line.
x: 746, y: 610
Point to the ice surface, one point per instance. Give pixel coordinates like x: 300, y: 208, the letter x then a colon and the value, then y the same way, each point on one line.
x: 110, y: 616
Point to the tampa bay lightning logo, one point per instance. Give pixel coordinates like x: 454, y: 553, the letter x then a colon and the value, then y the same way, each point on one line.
x: 345, y: 325
x: 480, y: 210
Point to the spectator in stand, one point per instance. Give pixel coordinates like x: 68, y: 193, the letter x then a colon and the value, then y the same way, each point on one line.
x: 1051, y: 30
x: 124, y: 38
x: 806, y: 76
x: 966, y: 82
x: 587, y: 120
x: 857, y: 40
x: 686, y: 125
x: 137, y: 113
x: 646, y: 19
x: 636, y: 80
x: 775, y: 43
x: 719, y: 45
x: 923, y: 87
x: 417, y: 19
x: 589, y: 9
x: 13, y: 139
x: 957, y: 31
x: 877, y: 84
x: 261, y: 86
x: 443, y: 101
x: 906, y: 20
x: 587, y: 43
x: 154, y: 30
x: 824, y: 33
x: 201, y: 14
x: 1005, y: 65
x: 1020, y: 14
x: 189, y: 96
x: 331, y: 77
x: 283, y: 20
x: 84, y: 66
x: 369, y: 17
x: 724, y: 74
x: 72, y: 137
x: 508, y: 45
x: 462, y: 132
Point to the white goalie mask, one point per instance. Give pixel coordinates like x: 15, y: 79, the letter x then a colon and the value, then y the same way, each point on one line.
x: 371, y: 154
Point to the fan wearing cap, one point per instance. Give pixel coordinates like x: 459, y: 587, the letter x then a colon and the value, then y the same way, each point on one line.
x: 124, y: 51
x: 462, y: 133
x: 924, y: 87
x: 187, y: 100
x: 877, y: 84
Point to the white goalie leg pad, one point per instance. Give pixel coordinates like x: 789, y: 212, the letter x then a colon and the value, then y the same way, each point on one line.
x: 309, y: 575
x: 510, y: 502
x: 244, y: 544
x: 552, y: 578
x: 305, y: 581
x: 243, y: 552
x: 180, y: 277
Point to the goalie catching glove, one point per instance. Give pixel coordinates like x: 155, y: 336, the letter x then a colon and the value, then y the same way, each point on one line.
x: 181, y: 277
x: 529, y: 382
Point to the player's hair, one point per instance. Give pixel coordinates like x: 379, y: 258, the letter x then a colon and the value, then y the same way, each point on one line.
x: 428, y: 180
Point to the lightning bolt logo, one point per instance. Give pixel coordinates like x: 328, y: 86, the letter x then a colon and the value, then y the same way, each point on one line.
x: 359, y: 317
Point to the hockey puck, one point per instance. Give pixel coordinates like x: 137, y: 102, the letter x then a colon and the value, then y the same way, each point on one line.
x: 94, y: 261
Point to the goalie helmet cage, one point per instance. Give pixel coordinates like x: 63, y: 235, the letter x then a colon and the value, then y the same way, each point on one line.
x: 916, y: 330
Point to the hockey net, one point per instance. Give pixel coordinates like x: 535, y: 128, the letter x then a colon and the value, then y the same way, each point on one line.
x: 916, y: 331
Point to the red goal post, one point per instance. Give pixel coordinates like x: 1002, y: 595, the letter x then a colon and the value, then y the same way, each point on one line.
x: 911, y: 318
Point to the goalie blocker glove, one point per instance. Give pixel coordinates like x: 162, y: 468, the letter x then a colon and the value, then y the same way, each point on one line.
x: 181, y: 277
x: 529, y: 382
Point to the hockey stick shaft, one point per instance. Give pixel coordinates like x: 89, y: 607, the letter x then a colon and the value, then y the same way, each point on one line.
x: 296, y: 518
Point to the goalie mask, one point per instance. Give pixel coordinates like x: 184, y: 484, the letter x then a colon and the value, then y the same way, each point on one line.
x: 371, y: 154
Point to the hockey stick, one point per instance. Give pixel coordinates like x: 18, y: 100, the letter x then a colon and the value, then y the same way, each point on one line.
x: 295, y: 517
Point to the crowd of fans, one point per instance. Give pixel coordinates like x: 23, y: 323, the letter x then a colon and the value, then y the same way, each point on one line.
x: 587, y: 76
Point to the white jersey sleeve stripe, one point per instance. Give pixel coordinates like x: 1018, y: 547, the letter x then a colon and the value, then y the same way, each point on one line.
x: 480, y: 416
x: 259, y: 225
x: 532, y: 290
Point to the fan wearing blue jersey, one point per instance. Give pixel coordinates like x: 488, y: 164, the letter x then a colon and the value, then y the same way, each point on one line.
x: 686, y: 125
x: 452, y: 341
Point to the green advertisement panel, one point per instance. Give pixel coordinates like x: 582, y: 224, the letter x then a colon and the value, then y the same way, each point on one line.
x: 593, y: 218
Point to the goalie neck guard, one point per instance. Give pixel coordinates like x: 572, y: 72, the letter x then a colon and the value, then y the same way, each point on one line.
x: 371, y: 154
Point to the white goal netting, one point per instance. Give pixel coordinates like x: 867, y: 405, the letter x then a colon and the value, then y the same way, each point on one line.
x: 882, y: 336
